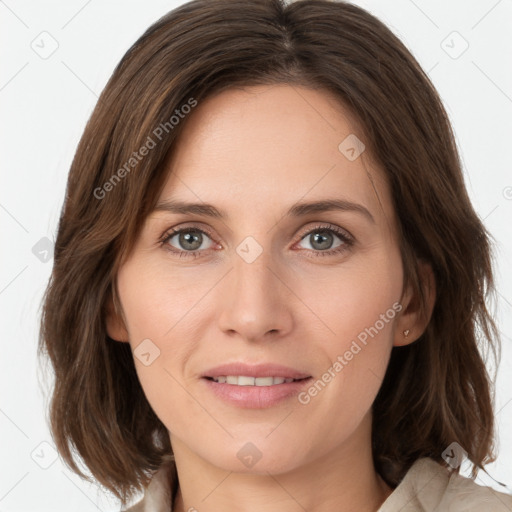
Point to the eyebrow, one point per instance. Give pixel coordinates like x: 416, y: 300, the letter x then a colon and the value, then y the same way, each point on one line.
x: 297, y: 210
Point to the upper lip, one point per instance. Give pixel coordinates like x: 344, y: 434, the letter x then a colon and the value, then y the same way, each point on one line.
x: 256, y: 370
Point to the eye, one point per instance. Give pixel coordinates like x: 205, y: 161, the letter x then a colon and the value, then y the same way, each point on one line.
x: 187, y: 241
x: 322, y: 240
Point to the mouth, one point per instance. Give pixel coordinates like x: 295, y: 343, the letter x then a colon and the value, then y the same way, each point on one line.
x: 243, y: 374
x: 245, y: 380
x: 260, y: 386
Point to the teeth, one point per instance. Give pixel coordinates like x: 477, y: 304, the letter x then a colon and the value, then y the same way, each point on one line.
x: 242, y: 380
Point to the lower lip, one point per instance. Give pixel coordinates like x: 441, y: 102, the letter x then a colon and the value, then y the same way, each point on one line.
x: 256, y: 397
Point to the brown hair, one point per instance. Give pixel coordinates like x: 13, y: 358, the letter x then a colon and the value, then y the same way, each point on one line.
x: 436, y: 390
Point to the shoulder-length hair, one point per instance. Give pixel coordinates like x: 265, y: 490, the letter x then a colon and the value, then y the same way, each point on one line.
x: 436, y: 391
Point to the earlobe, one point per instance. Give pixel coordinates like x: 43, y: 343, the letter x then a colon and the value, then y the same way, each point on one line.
x: 115, y: 325
x: 414, y: 319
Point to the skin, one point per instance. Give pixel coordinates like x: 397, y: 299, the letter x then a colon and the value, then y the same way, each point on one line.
x: 254, y: 153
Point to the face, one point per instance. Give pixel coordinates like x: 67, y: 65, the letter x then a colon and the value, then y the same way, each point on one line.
x: 315, y: 290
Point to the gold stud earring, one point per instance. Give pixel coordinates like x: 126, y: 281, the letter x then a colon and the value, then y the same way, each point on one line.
x: 406, y: 332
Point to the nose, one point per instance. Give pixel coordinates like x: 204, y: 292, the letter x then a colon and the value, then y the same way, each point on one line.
x: 255, y: 301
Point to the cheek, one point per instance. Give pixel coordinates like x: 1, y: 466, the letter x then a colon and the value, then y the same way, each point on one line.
x: 157, y: 298
x: 359, y: 307
x: 353, y: 298
x: 162, y: 310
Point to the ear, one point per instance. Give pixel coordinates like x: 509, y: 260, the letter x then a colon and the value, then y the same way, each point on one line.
x: 413, y: 321
x: 116, y: 328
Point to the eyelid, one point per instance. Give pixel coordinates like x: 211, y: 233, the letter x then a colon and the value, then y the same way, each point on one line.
x: 169, y: 233
x: 329, y: 227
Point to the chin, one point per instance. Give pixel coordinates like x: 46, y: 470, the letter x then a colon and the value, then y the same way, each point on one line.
x: 257, y: 457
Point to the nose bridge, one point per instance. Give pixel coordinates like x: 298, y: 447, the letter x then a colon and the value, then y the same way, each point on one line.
x: 254, y: 274
x: 255, y: 301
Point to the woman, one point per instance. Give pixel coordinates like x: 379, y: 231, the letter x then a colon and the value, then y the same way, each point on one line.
x: 268, y: 277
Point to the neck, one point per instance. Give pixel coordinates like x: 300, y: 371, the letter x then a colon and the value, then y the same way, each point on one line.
x: 343, y: 480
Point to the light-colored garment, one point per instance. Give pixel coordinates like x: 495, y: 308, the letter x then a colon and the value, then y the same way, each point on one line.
x: 427, y: 487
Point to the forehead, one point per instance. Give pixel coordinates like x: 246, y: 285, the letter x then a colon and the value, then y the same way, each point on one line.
x: 262, y: 147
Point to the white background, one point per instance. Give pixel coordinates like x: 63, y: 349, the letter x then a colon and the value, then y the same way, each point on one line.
x: 45, y: 105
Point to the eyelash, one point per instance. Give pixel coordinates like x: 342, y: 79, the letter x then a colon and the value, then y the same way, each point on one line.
x: 347, y: 240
